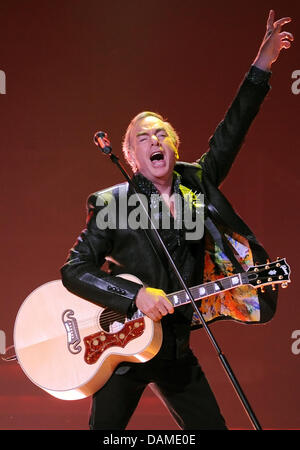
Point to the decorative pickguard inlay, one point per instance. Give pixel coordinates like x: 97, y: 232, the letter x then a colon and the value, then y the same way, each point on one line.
x: 97, y: 343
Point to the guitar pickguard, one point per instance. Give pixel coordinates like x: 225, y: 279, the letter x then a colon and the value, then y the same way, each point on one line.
x: 97, y: 343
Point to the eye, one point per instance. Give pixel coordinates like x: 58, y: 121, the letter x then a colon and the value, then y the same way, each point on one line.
x: 161, y: 134
x: 142, y: 138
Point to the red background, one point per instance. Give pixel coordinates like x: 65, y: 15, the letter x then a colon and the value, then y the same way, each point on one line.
x: 74, y: 67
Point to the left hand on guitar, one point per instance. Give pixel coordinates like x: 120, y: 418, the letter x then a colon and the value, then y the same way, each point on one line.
x: 154, y: 303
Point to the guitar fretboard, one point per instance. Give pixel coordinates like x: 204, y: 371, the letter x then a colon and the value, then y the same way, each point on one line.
x: 203, y: 290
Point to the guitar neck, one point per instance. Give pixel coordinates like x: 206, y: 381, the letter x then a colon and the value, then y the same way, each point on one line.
x: 206, y: 290
x: 180, y: 298
x: 270, y: 273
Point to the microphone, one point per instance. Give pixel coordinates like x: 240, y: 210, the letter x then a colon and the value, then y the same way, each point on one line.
x: 100, y: 139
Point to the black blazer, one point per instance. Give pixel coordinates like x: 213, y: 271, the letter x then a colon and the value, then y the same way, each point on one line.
x: 129, y: 250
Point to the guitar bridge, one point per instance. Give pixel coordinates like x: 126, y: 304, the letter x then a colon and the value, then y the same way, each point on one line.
x: 71, y: 327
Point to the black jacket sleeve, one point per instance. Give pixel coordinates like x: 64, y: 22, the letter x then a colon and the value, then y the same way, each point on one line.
x: 82, y: 274
x: 229, y: 135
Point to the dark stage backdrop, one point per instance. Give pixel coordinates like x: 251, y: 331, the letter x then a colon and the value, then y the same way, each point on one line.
x: 70, y: 68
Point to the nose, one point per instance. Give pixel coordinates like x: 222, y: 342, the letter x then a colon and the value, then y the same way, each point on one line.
x: 154, y: 140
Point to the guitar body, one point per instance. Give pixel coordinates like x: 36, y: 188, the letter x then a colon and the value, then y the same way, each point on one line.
x: 70, y: 347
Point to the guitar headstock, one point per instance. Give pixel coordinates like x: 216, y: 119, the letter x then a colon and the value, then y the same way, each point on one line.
x: 271, y: 273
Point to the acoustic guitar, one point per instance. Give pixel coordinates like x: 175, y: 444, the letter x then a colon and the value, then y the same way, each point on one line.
x: 69, y: 347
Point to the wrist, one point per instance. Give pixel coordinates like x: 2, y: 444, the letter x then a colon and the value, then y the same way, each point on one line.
x: 258, y: 76
x: 132, y: 308
x: 262, y: 64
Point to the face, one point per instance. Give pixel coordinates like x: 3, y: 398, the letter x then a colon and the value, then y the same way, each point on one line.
x: 153, y: 150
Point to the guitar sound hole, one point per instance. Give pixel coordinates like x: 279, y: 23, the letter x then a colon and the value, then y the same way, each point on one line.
x: 111, y: 321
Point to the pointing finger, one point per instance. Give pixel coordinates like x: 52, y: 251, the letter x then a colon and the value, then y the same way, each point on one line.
x: 270, y: 20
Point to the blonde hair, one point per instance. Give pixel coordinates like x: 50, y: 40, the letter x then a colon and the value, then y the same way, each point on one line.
x: 127, y: 146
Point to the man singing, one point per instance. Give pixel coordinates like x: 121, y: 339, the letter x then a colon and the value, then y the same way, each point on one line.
x: 151, y: 148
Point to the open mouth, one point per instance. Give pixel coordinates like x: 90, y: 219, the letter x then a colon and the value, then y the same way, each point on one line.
x: 156, y: 156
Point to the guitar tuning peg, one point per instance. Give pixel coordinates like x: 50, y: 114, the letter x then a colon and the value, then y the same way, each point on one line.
x: 262, y: 289
x: 284, y: 285
x: 256, y: 269
x: 273, y: 287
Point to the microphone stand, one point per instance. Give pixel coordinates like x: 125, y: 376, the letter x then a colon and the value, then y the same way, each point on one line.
x: 100, y: 139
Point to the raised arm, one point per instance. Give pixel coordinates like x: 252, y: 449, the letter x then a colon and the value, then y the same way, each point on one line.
x: 230, y: 134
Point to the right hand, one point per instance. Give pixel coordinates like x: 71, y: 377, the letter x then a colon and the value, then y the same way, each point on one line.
x: 273, y: 42
x: 154, y: 303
